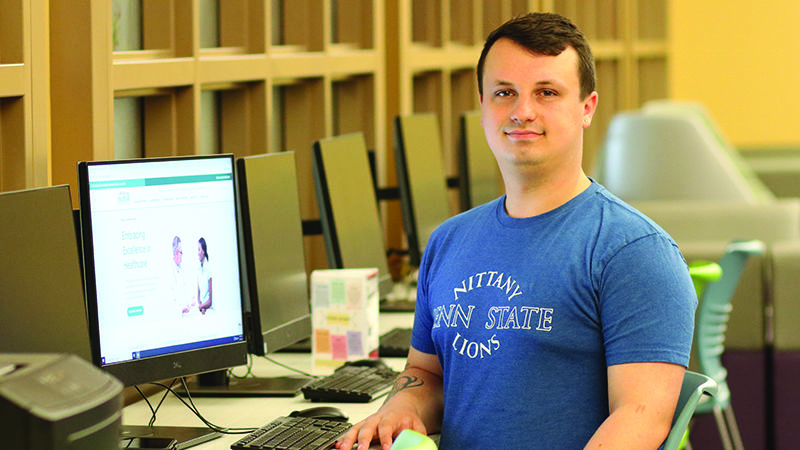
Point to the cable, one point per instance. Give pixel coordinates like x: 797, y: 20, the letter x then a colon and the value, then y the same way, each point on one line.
x: 158, y: 406
x: 249, y: 372
x: 290, y: 368
x: 192, y: 408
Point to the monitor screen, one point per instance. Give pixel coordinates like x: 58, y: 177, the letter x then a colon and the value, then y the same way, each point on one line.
x: 348, y: 207
x: 479, y: 177
x: 421, y: 179
x: 161, y: 257
x: 42, y: 307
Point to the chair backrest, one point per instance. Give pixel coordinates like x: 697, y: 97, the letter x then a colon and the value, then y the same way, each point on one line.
x: 693, y: 388
x: 669, y: 157
x: 715, y: 309
x: 696, y: 109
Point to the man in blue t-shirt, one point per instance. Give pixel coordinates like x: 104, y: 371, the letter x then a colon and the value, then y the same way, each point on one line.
x: 555, y: 316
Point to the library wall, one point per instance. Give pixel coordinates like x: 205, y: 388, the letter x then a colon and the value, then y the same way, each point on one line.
x: 740, y: 65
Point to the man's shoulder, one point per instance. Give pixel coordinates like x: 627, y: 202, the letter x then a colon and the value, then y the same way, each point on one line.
x: 480, y: 213
x: 619, y: 218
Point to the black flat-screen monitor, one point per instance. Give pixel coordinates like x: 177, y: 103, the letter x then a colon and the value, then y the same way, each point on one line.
x: 42, y: 308
x: 479, y: 177
x: 421, y: 179
x: 161, y: 260
x: 277, y: 307
x: 348, y: 207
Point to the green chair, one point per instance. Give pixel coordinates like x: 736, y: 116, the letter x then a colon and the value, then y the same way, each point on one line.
x: 711, y: 323
x: 409, y: 439
x: 695, y: 385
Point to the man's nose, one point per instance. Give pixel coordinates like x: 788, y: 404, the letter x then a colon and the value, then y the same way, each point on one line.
x: 524, y: 111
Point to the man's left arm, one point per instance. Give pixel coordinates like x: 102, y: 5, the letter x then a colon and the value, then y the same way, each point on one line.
x: 642, y: 399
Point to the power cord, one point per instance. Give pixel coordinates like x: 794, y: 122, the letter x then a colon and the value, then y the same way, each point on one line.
x: 249, y: 367
x: 301, y: 372
x: 192, y: 407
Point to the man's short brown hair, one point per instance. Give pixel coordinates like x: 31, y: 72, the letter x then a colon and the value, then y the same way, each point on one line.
x: 545, y: 34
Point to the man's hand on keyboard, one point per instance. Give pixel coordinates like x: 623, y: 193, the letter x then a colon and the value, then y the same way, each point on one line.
x: 416, y: 402
x: 384, y: 426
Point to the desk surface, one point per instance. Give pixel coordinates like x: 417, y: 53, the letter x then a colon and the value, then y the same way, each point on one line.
x: 255, y: 412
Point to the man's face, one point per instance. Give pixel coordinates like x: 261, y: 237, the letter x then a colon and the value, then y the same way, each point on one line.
x: 531, y: 109
x: 178, y: 255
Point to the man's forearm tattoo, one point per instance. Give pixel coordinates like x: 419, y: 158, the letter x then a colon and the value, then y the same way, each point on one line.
x: 404, y: 382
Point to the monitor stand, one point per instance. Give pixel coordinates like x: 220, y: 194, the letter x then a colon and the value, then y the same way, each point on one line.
x: 301, y: 346
x: 220, y: 384
x: 403, y: 298
x: 143, y: 436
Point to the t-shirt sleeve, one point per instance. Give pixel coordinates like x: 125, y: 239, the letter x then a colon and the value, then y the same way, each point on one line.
x: 423, y: 320
x: 647, y: 303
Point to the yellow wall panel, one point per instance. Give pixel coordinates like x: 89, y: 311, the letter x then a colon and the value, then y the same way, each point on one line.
x: 739, y: 58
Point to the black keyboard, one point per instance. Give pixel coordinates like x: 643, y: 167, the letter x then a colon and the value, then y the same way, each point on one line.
x: 402, y: 305
x: 353, y: 384
x: 395, y: 342
x: 289, y: 433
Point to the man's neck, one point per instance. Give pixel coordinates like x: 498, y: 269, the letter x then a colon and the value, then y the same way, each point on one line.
x: 537, y: 195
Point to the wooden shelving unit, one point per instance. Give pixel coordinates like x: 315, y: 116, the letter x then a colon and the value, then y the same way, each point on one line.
x: 133, y: 78
x: 24, y: 115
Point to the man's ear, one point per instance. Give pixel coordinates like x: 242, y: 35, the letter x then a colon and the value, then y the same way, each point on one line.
x: 589, y: 107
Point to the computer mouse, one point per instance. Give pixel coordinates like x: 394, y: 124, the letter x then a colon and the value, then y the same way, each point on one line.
x: 322, y: 412
x: 368, y: 362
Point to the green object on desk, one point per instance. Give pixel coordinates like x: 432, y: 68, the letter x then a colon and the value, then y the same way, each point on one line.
x: 411, y: 440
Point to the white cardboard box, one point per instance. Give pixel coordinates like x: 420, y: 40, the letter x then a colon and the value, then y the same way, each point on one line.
x: 344, y: 314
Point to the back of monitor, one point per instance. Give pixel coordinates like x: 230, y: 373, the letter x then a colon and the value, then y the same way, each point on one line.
x: 479, y: 177
x: 348, y: 206
x: 421, y: 179
x: 42, y: 307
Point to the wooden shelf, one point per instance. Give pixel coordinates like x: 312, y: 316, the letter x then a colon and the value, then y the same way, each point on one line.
x: 151, y: 77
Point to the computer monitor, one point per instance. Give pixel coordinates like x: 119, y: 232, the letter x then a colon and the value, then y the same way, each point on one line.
x: 42, y: 308
x: 277, y: 308
x: 161, y: 259
x: 348, y: 207
x: 421, y: 179
x: 479, y: 177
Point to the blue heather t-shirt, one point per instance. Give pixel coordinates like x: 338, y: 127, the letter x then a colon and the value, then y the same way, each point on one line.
x: 525, y: 315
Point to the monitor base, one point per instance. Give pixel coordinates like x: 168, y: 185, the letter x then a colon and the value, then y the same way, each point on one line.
x: 246, y: 387
x: 185, y: 437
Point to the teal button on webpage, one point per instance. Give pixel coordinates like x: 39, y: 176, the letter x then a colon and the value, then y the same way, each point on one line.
x: 135, y: 311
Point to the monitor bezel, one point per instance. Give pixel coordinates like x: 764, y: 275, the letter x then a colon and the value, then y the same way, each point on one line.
x: 161, y: 367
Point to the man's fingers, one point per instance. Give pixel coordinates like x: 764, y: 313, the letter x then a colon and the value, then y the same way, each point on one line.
x: 385, y: 432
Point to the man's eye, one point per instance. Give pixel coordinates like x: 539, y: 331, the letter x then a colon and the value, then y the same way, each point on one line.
x: 503, y: 93
x: 548, y: 93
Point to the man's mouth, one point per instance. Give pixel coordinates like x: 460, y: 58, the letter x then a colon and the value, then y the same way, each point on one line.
x: 521, y: 135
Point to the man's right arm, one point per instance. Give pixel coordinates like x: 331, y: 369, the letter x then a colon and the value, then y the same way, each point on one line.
x: 416, y: 401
